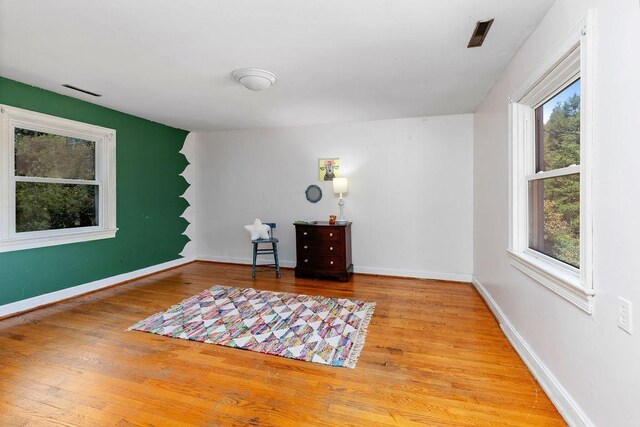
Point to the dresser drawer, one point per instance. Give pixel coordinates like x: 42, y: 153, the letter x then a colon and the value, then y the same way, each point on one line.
x: 324, y: 234
x: 319, y: 247
x: 318, y: 262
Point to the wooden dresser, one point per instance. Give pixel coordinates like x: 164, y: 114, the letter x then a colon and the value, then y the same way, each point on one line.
x: 323, y: 251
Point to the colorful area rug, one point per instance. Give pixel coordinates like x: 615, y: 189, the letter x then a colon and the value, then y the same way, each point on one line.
x: 316, y: 329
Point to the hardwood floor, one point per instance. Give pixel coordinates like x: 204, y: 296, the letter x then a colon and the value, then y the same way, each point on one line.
x: 434, y: 355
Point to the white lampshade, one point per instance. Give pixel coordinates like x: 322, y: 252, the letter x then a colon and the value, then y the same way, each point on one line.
x: 340, y: 185
x: 254, y: 78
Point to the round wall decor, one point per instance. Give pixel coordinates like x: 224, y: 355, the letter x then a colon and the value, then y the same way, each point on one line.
x: 313, y: 193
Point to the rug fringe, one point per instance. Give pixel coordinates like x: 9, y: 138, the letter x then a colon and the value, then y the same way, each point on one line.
x: 138, y: 325
x: 352, y: 360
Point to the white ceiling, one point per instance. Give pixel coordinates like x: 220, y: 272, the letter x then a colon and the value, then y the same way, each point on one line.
x: 336, y: 60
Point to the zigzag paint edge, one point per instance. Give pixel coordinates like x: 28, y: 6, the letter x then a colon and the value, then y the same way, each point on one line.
x: 188, y: 151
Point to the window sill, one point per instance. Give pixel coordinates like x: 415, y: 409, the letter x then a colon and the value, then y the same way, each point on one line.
x: 562, y: 282
x: 36, y: 240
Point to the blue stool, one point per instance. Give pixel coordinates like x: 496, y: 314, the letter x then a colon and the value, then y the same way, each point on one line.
x: 273, y: 250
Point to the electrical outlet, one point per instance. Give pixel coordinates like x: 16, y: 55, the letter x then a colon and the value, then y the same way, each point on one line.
x: 625, y: 321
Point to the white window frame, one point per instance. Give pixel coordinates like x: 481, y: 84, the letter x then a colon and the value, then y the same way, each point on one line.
x: 105, y: 179
x: 572, y: 59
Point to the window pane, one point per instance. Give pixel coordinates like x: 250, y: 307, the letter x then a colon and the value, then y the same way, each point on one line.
x: 558, y: 130
x: 554, y: 217
x: 44, y: 206
x: 53, y: 156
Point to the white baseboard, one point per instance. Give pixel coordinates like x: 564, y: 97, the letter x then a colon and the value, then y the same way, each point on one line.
x: 568, y: 408
x: 418, y: 274
x: 365, y: 270
x: 40, y: 300
x: 239, y: 260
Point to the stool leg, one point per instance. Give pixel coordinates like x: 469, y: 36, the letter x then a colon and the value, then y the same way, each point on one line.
x: 275, y: 258
x: 255, y: 257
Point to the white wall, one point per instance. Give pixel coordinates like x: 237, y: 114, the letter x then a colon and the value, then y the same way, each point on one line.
x: 595, y: 362
x: 410, y: 191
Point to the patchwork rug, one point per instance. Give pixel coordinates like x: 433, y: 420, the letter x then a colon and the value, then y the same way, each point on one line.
x: 317, y: 329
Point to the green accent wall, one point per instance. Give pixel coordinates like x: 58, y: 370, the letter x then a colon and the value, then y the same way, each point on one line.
x: 149, y: 205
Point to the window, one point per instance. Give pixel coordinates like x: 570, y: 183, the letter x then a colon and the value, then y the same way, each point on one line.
x: 57, y: 181
x: 550, y: 141
x: 554, y: 190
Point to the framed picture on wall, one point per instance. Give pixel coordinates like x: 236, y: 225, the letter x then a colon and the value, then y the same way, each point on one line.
x: 328, y: 169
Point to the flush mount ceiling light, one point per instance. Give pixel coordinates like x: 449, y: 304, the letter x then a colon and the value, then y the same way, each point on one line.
x: 254, y: 78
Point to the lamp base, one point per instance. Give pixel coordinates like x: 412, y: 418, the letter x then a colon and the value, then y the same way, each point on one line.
x: 341, y: 221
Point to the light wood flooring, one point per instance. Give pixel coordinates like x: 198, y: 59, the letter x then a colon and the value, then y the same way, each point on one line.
x: 434, y: 355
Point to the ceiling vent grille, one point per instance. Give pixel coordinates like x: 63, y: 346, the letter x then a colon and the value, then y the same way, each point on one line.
x: 480, y: 33
x: 81, y: 90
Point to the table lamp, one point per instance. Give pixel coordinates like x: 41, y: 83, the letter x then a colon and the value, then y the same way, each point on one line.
x: 340, y: 186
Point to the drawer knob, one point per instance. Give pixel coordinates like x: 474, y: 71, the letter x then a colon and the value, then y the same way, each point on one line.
x: 305, y: 233
x: 331, y: 248
x: 330, y: 234
x: 306, y: 247
x: 331, y: 263
x: 306, y: 260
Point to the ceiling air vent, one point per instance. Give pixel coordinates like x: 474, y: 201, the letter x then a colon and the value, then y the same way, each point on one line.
x: 481, y: 31
x: 81, y: 90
